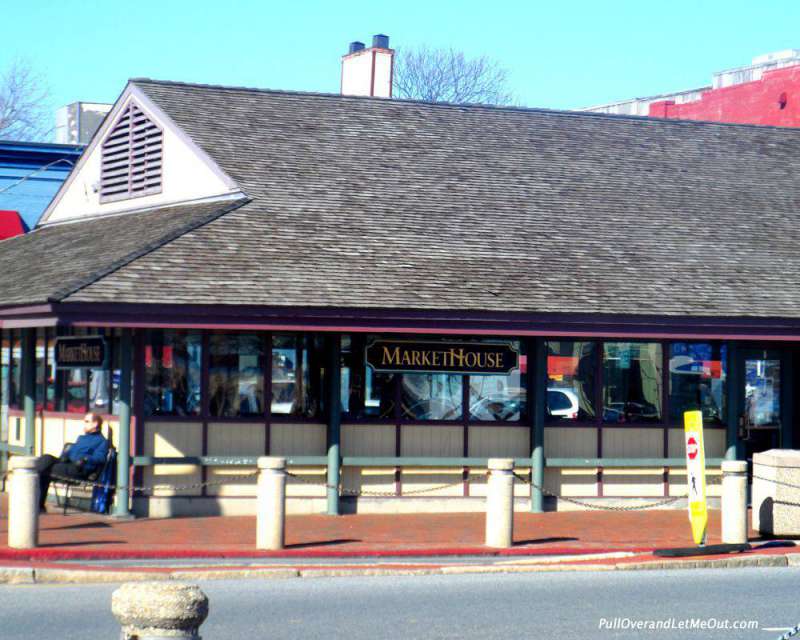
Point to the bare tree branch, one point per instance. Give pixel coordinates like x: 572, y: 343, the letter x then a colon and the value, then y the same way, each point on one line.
x: 25, y: 112
x: 446, y: 75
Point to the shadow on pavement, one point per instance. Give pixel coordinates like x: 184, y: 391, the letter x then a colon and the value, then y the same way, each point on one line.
x: 521, y: 543
x: 80, y: 544
x: 326, y: 543
x: 83, y: 525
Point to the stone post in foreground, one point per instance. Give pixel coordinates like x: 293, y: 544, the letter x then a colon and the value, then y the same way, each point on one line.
x: 734, y: 502
x: 159, y: 610
x: 23, y: 503
x: 270, y: 503
x: 500, y: 503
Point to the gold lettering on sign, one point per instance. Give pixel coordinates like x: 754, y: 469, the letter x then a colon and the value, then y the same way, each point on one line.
x: 79, y: 353
x: 390, y: 356
x: 415, y: 356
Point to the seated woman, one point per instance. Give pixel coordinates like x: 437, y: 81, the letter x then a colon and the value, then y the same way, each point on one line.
x: 84, y: 457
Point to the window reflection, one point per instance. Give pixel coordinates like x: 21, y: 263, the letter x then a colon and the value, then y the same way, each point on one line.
x: 297, y: 375
x: 632, y: 382
x: 571, y: 380
x: 75, y: 387
x: 431, y: 396
x: 762, y: 392
x: 365, y: 394
x: 172, y: 373
x: 236, y: 375
x: 499, y: 398
x: 99, y: 387
x: 697, y: 378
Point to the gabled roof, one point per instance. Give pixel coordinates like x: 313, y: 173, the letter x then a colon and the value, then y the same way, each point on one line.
x: 50, y: 263
x: 368, y: 203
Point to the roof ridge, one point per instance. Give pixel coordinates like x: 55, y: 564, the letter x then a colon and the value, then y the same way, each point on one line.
x: 564, y: 113
x: 97, y: 275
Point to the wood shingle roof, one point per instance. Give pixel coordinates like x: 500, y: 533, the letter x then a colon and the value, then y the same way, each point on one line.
x: 370, y: 203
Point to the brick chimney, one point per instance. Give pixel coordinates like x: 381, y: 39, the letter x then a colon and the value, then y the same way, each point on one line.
x: 368, y: 72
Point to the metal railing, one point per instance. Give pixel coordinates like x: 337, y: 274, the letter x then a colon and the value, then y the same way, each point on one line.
x: 418, y: 461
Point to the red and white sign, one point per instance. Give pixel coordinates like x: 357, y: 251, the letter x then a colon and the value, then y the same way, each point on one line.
x: 692, y: 447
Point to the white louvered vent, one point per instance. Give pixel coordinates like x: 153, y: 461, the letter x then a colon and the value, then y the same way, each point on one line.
x: 131, y: 161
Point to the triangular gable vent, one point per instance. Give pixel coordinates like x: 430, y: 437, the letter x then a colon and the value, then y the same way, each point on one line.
x: 131, y: 157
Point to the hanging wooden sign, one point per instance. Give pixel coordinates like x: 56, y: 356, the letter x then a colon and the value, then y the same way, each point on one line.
x: 81, y: 352
x: 473, y: 358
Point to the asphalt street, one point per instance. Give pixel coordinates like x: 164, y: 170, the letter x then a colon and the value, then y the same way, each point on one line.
x: 541, y: 605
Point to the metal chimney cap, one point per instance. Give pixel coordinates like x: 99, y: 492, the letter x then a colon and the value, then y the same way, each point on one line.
x: 355, y: 47
x: 380, y: 41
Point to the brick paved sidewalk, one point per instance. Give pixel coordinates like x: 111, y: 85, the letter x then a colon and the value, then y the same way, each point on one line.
x: 90, y: 535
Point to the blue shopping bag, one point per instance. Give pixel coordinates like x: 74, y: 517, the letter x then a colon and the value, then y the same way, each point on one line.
x: 103, y: 492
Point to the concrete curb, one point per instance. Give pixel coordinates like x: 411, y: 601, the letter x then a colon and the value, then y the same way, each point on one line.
x: 735, y: 562
x: 32, y: 575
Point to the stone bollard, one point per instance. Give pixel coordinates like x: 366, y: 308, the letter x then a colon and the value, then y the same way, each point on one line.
x: 776, y: 492
x: 734, y: 502
x: 159, y: 610
x: 23, y: 503
x: 500, y: 503
x: 271, y: 503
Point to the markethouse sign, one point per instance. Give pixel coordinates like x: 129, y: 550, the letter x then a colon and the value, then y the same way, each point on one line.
x: 475, y: 358
x: 83, y: 352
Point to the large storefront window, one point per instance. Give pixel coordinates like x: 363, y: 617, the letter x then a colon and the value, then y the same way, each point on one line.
x: 173, y: 361
x: 571, y: 383
x: 365, y: 394
x: 697, y: 376
x: 79, y: 390
x: 297, y: 375
x: 431, y: 396
x: 632, y: 382
x: 495, y: 398
x: 236, y: 375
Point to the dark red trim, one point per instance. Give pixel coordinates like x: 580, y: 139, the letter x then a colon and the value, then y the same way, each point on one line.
x: 443, y: 322
x: 26, y: 310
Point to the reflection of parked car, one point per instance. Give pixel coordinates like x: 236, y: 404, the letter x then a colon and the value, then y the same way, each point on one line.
x: 630, y: 412
x: 496, y: 408
x: 562, y: 403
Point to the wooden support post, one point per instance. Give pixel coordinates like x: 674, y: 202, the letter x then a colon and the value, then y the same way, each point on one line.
x: 29, y: 387
x: 121, y: 509
x: 334, y: 375
x: 733, y: 385
x: 538, y: 386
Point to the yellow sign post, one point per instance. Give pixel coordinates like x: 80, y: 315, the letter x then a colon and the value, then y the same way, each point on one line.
x: 696, y: 474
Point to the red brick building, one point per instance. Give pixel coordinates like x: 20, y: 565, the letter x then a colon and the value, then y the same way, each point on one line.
x: 767, y: 92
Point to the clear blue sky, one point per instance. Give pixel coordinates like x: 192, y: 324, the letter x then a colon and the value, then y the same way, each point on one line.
x: 559, y: 54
